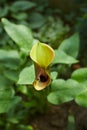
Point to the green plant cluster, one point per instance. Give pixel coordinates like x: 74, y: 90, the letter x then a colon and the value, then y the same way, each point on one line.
x: 62, y: 90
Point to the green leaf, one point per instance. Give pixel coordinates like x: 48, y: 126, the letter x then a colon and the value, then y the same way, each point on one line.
x: 6, y: 93
x: 10, y: 58
x: 22, y: 5
x: 20, y: 34
x: 58, y: 84
x: 80, y: 75
x: 3, y: 11
x: 6, y: 104
x: 36, y: 20
x: 54, y: 75
x: 4, y: 83
x: 23, y: 89
x: 62, y: 57
x: 64, y: 91
x: 14, y: 101
x: 71, y: 45
x: 57, y: 98
x: 20, y: 16
x: 7, y: 99
x: 82, y: 99
x: 11, y: 74
x: 27, y: 75
x: 8, y: 54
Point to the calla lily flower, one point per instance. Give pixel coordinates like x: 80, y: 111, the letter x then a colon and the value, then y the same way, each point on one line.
x: 42, y: 55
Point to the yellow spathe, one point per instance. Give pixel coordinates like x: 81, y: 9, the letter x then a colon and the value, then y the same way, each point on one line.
x: 42, y: 54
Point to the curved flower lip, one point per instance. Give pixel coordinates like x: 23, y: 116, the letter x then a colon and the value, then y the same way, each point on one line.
x: 42, y: 78
x: 42, y: 54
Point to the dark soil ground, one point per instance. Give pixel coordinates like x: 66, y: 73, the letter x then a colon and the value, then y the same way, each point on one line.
x: 57, y: 118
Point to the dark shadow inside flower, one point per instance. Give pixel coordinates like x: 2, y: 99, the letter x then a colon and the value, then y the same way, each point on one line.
x: 43, y: 78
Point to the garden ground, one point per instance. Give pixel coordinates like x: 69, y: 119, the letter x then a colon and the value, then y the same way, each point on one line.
x: 57, y: 118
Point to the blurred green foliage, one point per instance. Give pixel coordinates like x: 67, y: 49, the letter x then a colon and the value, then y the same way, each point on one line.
x: 20, y: 102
